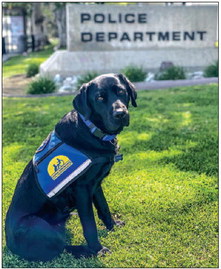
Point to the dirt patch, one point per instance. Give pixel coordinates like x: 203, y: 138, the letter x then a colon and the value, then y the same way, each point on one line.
x: 16, y: 85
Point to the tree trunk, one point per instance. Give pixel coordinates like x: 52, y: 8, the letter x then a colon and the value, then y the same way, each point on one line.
x: 60, y: 16
x: 38, y: 25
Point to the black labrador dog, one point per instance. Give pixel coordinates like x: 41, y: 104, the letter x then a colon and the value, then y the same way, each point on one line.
x: 35, y: 222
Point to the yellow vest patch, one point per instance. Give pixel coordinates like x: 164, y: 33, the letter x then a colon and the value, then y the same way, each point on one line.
x: 58, y: 165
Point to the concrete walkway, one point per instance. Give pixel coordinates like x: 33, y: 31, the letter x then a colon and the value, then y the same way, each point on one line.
x: 155, y: 85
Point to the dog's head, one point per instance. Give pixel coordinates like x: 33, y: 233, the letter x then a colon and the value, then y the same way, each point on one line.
x: 104, y: 101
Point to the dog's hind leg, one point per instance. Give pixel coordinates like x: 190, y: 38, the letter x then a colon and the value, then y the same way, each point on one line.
x: 34, y: 239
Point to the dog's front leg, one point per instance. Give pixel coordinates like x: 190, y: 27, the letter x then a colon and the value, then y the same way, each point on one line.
x: 103, y: 210
x: 86, y: 214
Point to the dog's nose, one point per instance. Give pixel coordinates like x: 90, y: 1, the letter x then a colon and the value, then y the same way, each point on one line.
x: 119, y: 113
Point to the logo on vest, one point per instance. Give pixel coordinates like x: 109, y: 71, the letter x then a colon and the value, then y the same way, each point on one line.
x: 58, y: 165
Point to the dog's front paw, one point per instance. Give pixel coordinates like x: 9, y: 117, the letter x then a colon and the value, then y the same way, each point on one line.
x: 119, y: 223
x: 103, y: 252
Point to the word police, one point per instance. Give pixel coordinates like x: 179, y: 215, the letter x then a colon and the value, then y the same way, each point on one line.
x: 118, y: 18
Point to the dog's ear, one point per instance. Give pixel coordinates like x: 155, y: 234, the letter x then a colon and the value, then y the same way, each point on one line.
x: 80, y: 102
x: 130, y: 89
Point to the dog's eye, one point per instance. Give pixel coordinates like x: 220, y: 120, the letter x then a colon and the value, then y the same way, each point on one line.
x: 120, y: 92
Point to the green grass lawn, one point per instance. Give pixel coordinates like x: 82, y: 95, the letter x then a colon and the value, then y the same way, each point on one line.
x: 18, y: 64
x: 166, y: 189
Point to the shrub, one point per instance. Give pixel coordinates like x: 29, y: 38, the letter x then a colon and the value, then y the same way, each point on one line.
x: 134, y: 73
x: 212, y: 70
x: 32, y: 70
x: 171, y: 73
x: 86, y: 78
x: 41, y: 85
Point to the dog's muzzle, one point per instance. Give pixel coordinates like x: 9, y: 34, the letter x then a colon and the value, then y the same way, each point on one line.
x: 120, y: 117
x: 120, y: 113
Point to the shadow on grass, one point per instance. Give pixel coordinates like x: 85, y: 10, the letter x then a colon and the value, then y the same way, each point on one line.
x: 196, y: 159
x: 197, y: 146
x: 201, y: 157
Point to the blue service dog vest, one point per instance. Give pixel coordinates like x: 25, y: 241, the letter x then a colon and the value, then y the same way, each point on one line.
x: 57, y: 164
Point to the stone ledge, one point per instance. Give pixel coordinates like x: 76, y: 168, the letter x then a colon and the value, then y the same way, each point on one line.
x: 68, y: 63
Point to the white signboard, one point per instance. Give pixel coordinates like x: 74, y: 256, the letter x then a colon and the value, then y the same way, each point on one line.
x: 116, y: 27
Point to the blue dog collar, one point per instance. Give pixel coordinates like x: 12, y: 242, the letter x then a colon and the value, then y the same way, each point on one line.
x: 96, y: 131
